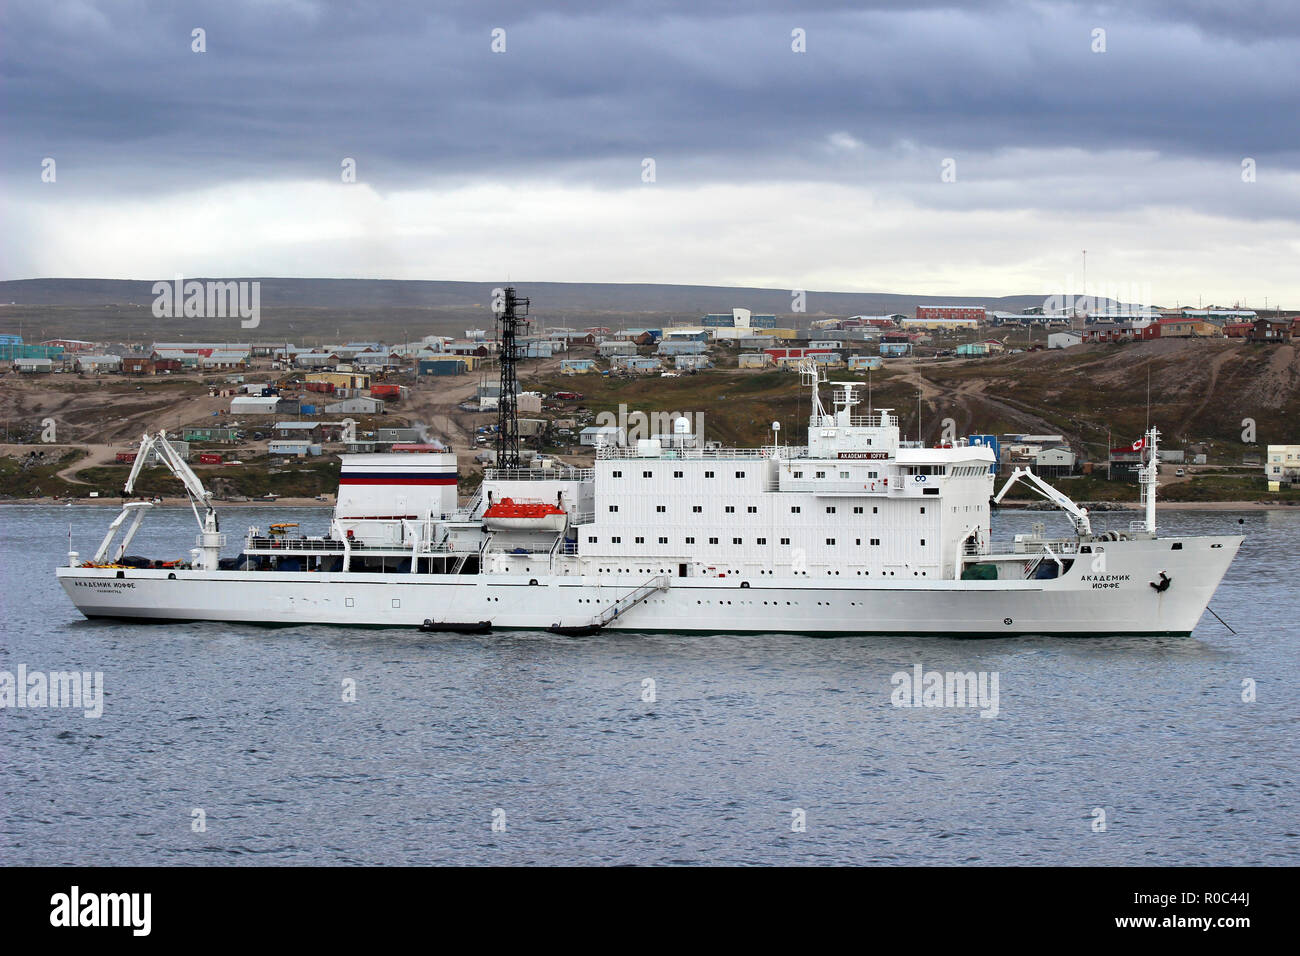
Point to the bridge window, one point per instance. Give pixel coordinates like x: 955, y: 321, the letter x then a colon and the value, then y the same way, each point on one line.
x: 785, y: 540
x: 640, y: 540
x: 713, y: 541
x: 735, y: 541
x: 857, y: 511
x: 875, y: 542
x: 690, y: 540
x: 647, y: 474
x: 740, y: 474
x: 613, y: 507
x: 730, y: 509
x: 798, y: 474
x: 830, y: 540
x: 616, y: 539
x: 708, y: 474
x: 752, y: 509
x: 830, y: 510
x: 821, y: 474
x: 660, y: 508
x: 618, y: 474
x: 591, y: 539
x: 663, y: 540
x: 795, y: 510
x: 677, y: 474
x: 696, y: 508
x: 760, y: 541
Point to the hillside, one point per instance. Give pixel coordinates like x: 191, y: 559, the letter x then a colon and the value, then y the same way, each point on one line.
x: 318, y: 311
x: 552, y: 296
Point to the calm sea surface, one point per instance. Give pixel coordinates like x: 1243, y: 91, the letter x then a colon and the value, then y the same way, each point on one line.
x: 552, y: 735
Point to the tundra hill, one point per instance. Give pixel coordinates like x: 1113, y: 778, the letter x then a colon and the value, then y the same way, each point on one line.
x: 555, y: 296
x: 317, y: 311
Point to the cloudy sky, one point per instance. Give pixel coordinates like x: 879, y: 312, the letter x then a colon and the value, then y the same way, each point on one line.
x: 872, y: 145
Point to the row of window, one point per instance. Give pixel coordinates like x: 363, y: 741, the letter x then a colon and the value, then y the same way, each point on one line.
x: 753, y: 509
x: 616, y: 539
x: 676, y: 474
x: 843, y: 474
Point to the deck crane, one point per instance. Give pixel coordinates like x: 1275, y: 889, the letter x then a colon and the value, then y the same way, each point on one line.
x: 210, y: 540
x: 1079, y: 516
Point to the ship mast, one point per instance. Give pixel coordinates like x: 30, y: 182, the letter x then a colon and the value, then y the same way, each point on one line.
x: 1148, y: 478
x: 509, y: 323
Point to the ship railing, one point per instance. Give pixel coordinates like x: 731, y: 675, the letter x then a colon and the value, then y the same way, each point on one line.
x: 566, y: 548
x: 338, y: 546
x: 1042, y: 545
x: 564, y: 473
x: 474, y: 502
x: 294, y: 544
x: 683, y: 454
x: 876, y: 420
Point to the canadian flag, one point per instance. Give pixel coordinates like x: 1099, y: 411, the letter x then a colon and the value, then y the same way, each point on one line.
x: 1136, y: 446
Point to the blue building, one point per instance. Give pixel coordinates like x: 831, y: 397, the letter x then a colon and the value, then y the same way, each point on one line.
x: 990, y: 441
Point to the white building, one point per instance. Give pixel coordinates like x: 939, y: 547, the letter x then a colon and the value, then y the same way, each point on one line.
x: 938, y: 324
x: 220, y: 360
x: 609, y: 349
x: 254, y: 404
x: 356, y: 406
x: 290, y: 446
x: 602, y: 435
x: 99, y: 363
x: 1064, y: 340
x: 1282, y: 466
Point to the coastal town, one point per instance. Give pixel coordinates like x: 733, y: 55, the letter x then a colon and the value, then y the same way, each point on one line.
x: 283, y: 412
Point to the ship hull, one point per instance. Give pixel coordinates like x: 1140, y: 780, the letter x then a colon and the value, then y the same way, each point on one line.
x: 1082, y: 602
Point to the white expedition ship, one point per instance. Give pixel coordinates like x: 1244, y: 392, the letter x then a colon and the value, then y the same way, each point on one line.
x: 855, y: 533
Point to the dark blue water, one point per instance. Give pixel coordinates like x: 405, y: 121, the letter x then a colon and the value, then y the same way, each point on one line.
x: 249, y: 725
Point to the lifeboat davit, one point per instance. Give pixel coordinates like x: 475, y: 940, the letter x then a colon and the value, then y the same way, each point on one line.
x: 510, y: 515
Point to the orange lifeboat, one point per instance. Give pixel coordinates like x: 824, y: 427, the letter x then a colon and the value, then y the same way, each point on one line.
x: 510, y: 515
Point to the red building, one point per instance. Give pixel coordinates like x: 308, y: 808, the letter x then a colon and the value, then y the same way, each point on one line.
x: 1237, y: 330
x: 1271, y: 330
x: 70, y: 345
x: 1122, y: 332
x: 778, y: 354
x: 977, y: 312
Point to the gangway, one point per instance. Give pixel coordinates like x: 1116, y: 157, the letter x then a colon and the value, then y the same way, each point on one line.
x: 660, y: 582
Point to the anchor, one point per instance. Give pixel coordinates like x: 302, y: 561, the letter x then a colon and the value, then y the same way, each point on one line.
x: 1163, y: 584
